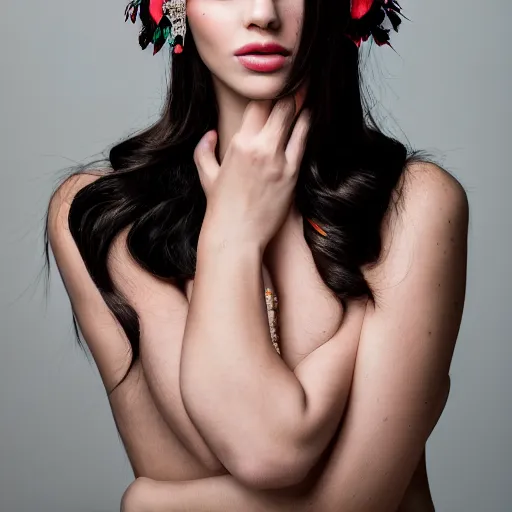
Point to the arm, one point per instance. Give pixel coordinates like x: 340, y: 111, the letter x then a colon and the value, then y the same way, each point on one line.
x: 267, y: 424
x: 226, y: 494
x: 404, y: 352
x: 162, y: 310
x: 399, y: 388
x: 406, y: 347
x: 398, y: 393
x: 214, y: 494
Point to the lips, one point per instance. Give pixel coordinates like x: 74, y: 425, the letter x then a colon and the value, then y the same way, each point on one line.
x: 265, y: 63
x: 262, y: 48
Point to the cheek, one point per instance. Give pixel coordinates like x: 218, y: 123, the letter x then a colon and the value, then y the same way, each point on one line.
x: 293, y: 13
x: 208, y: 25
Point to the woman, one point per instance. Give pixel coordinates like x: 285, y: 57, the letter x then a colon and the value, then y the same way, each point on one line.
x: 175, y: 254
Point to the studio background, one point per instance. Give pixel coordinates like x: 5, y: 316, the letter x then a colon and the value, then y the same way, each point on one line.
x: 74, y: 81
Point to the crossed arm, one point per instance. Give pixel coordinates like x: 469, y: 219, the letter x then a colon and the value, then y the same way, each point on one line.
x: 403, y: 359
x: 266, y: 423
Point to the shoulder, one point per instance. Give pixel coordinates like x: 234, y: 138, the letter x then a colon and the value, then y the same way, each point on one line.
x: 107, y: 343
x: 147, y: 293
x: 429, y: 212
x: 428, y: 188
x: 60, y: 203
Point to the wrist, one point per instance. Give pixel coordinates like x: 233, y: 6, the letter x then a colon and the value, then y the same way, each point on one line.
x: 216, y: 237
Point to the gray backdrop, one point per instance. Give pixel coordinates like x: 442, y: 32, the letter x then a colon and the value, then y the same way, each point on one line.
x: 74, y: 81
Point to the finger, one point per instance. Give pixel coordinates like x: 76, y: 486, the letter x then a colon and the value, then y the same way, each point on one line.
x: 206, y: 160
x: 279, y: 122
x: 297, y: 143
x: 204, y: 153
x: 255, y: 116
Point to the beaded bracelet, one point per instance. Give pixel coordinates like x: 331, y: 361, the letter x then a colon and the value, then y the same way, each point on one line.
x: 272, y: 309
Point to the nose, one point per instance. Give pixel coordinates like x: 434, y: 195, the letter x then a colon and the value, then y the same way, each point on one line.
x: 262, y: 14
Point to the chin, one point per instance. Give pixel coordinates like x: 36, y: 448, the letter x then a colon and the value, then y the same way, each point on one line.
x: 261, y: 87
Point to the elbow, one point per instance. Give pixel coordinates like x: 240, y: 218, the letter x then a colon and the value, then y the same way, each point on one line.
x: 272, y: 469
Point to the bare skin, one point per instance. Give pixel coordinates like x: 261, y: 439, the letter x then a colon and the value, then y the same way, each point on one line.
x: 170, y: 464
x: 221, y: 493
x: 162, y: 464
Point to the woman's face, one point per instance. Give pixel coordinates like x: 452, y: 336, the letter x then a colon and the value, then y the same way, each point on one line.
x: 221, y: 27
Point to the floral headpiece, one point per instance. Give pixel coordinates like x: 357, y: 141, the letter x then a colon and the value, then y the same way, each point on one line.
x: 166, y: 21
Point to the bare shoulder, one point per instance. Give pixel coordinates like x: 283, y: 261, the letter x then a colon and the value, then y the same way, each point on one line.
x: 106, y: 340
x: 427, y: 184
x: 59, y: 236
x: 61, y: 199
x: 63, y: 246
x: 156, y: 301
x: 430, y: 208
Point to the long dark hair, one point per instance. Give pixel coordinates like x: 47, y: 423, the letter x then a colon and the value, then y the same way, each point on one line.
x: 346, y: 182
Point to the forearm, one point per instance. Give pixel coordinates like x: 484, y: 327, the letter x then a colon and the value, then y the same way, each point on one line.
x: 214, y: 494
x: 238, y: 392
x: 226, y: 494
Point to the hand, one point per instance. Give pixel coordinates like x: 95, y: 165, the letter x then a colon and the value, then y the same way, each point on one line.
x: 250, y: 194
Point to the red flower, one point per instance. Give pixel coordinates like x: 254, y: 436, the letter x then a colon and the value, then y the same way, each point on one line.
x: 155, y: 10
x: 359, y: 8
x: 368, y: 18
